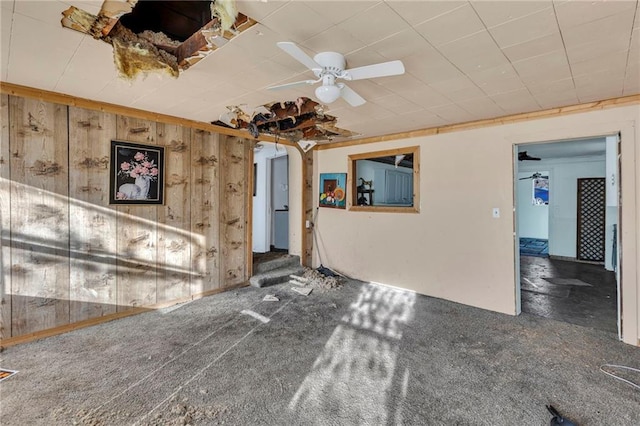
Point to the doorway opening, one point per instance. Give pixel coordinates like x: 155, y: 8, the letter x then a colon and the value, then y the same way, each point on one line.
x: 270, y: 226
x: 566, y: 221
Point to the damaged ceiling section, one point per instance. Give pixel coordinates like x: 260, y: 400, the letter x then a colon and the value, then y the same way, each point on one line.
x: 166, y: 36
x: 171, y: 36
x: 302, y: 119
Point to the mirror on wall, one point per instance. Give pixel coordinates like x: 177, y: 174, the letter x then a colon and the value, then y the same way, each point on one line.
x: 384, y: 179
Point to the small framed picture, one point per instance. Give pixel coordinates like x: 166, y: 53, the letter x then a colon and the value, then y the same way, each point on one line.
x: 333, y: 190
x: 136, y: 174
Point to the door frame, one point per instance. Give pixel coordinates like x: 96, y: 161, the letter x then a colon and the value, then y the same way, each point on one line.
x: 516, y: 245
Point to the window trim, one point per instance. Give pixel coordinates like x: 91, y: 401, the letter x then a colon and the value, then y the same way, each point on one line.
x: 352, y: 181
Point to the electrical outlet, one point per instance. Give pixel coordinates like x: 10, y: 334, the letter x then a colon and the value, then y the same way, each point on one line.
x: 496, y: 213
x: 307, y: 224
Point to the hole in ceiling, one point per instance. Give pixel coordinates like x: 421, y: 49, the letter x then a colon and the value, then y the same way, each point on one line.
x: 168, y: 36
x: 178, y: 20
x: 296, y: 120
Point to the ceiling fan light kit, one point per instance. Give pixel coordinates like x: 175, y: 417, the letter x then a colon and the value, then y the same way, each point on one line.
x: 328, y: 66
x: 327, y: 94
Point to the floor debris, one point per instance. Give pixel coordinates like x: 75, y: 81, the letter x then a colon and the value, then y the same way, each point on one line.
x: 301, y: 281
x: 5, y: 374
x: 302, y: 291
x: 319, y: 281
x: 270, y: 298
x: 255, y: 315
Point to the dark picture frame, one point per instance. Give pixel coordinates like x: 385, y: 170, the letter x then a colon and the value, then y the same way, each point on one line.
x: 255, y: 179
x: 136, y: 173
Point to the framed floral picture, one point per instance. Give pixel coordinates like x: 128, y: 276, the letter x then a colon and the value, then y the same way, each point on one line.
x: 136, y: 174
x: 333, y: 190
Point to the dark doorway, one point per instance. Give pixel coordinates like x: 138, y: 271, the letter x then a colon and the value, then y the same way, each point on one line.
x: 572, y: 277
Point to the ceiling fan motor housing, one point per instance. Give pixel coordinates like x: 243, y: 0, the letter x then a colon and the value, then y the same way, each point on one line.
x: 331, y: 62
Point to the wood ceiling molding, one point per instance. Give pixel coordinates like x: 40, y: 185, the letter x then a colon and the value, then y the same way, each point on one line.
x: 508, y: 119
x: 60, y: 98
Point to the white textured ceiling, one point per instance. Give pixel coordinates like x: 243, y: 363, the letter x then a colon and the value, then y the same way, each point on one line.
x: 464, y: 60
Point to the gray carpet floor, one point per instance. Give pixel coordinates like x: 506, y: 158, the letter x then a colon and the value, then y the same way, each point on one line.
x: 362, y: 354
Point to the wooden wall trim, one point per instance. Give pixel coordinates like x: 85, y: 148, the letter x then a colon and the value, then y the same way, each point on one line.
x: 306, y: 254
x: 249, y: 212
x: 60, y: 98
x: 352, y: 183
x: 303, y: 227
x: 508, y: 119
x: 26, y: 338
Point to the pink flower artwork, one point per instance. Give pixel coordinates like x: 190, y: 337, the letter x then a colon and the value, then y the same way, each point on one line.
x: 139, y: 165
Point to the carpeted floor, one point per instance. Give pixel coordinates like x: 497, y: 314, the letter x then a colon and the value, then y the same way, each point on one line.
x: 363, y: 354
x: 270, y: 255
x: 534, y: 247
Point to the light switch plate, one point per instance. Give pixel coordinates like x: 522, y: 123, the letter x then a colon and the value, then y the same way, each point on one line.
x: 496, y: 212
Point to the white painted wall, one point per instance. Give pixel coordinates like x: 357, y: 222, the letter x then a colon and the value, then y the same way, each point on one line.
x: 280, y: 182
x: 563, y: 197
x: 295, y: 201
x: 260, y: 231
x: 453, y: 248
x: 533, y: 220
x: 279, y: 190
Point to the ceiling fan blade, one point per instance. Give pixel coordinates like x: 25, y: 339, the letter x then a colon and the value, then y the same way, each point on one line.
x: 292, y: 85
x: 349, y: 95
x: 383, y: 69
x: 523, y: 156
x: 299, y: 55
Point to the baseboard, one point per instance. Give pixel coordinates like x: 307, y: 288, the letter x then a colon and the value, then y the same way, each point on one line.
x: 573, y: 259
x: 37, y: 335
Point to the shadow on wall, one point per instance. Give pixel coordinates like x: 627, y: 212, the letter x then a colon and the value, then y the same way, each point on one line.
x: 64, y: 260
x: 353, y: 377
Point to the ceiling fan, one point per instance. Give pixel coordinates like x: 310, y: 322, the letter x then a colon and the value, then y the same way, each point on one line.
x: 523, y: 156
x: 329, y: 66
x: 536, y: 175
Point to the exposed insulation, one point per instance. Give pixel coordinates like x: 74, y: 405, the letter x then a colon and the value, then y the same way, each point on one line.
x: 226, y: 12
x: 134, y: 55
x: 159, y: 38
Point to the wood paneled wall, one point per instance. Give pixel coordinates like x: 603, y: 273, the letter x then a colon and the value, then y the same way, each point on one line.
x: 308, y: 207
x: 68, y: 256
